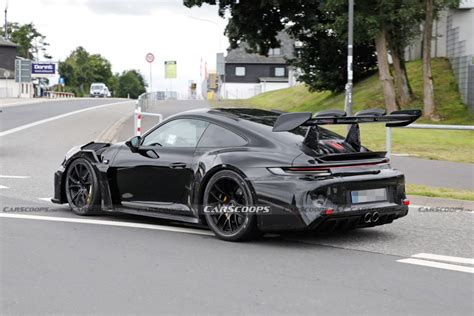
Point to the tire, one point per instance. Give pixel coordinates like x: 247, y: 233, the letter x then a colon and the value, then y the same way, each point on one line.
x: 82, y: 188
x: 229, y: 188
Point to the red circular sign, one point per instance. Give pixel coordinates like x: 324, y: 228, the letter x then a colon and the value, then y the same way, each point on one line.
x: 150, y: 57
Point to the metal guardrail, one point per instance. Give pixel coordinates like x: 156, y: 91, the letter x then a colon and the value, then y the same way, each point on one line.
x: 54, y: 94
x: 145, y: 100
x: 388, y: 142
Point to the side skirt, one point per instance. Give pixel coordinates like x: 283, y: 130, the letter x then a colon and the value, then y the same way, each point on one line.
x: 156, y: 213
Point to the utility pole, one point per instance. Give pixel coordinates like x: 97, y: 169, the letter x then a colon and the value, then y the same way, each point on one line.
x: 350, y: 54
x: 6, y: 21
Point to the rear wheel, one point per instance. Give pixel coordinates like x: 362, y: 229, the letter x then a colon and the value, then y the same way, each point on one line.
x: 82, y: 188
x: 224, y: 190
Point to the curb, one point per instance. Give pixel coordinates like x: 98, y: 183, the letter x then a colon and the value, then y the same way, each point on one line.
x: 418, y: 200
x: 109, y: 134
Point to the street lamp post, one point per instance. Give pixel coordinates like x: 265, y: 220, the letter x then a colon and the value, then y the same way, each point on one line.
x: 350, y: 54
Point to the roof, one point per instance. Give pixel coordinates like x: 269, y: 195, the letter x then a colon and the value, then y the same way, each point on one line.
x: 6, y: 43
x: 241, y: 56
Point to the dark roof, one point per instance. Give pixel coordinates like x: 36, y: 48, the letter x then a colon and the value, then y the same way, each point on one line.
x: 240, y: 55
x: 7, y: 43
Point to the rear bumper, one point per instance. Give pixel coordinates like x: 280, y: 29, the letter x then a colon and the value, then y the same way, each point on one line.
x: 300, y: 203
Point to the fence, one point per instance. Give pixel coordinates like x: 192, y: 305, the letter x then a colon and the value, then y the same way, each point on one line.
x: 388, y: 142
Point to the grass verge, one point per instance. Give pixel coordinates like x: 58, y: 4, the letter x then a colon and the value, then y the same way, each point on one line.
x: 447, y: 145
x: 446, y: 193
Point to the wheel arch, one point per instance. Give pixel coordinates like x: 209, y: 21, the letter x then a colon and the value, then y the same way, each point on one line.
x: 85, y: 154
x: 205, y: 180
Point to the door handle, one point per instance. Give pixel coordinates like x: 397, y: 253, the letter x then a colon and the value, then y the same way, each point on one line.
x: 178, y: 165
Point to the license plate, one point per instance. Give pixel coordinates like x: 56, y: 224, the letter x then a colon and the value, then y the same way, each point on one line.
x: 365, y: 196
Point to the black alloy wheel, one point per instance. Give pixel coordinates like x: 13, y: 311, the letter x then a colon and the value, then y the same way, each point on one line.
x: 225, y: 196
x: 82, y: 190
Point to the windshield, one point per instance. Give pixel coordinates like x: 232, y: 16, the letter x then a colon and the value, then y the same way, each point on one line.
x: 97, y: 87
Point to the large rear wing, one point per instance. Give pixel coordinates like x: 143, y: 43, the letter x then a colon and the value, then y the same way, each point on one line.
x: 290, y: 121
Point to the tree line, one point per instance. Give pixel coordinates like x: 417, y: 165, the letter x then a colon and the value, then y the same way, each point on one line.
x: 382, y: 28
x: 80, y: 69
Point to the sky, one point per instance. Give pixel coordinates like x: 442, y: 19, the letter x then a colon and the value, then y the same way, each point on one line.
x: 125, y: 31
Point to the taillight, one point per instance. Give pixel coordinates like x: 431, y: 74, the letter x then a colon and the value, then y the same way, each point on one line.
x: 329, y: 211
x: 406, y: 202
x: 291, y: 171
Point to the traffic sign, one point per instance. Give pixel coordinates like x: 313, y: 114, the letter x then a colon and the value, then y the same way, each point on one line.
x: 22, y: 70
x: 150, y: 57
x: 170, y: 69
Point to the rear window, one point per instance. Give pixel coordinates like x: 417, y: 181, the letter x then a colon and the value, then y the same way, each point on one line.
x: 329, y: 142
x: 216, y: 136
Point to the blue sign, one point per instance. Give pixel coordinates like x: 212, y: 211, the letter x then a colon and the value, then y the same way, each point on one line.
x: 43, y: 68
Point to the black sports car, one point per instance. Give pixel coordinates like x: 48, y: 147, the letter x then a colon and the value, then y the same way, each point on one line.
x: 242, y: 172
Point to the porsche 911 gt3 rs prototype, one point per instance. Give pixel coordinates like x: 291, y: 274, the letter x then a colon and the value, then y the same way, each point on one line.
x: 242, y: 172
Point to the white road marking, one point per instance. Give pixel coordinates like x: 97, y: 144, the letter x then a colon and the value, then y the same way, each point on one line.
x: 108, y: 223
x: 438, y: 265
x: 45, y: 199
x: 23, y: 127
x: 430, y: 256
x: 14, y: 177
x: 3, y: 187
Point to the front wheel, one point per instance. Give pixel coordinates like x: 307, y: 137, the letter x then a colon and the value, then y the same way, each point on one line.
x: 82, y: 188
x: 225, y: 195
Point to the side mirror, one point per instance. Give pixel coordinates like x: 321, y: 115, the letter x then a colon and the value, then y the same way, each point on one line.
x: 134, y: 142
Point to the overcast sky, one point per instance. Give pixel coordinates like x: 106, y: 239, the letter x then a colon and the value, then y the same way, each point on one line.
x: 124, y: 31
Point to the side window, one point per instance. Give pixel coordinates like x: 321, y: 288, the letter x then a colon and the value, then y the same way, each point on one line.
x: 177, y: 133
x: 279, y: 71
x: 216, y: 136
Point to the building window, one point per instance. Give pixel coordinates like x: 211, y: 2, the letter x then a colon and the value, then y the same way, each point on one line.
x: 279, y: 71
x: 274, y: 51
x: 240, y: 71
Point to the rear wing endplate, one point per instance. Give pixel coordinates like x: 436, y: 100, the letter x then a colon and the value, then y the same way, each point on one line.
x: 290, y: 121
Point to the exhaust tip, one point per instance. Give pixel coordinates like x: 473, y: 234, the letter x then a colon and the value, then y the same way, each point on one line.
x: 375, y: 217
x: 367, y: 218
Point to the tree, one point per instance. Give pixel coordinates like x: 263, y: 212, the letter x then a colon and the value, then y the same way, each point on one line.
x: 322, y: 28
x: 80, y: 69
x: 31, y: 43
x: 130, y: 84
x: 322, y: 57
x: 428, y: 90
x: 405, y: 18
x: 432, y: 8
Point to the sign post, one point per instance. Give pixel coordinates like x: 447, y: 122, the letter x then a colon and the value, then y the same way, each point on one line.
x: 150, y: 58
x: 6, y: 74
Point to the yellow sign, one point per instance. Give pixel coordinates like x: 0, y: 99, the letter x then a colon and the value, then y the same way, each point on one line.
x: 170, y: 69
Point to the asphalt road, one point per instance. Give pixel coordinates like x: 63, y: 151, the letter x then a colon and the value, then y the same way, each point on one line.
x: 13, y: 116
x: 53, y: 262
